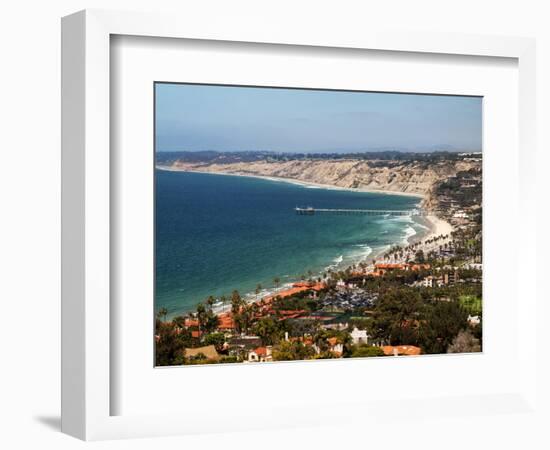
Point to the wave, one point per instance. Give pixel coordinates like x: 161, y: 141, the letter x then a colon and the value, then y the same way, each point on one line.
x: 409, y: 232
x: 402, y: 219
x: 362, y: 254
x: 335, y: 262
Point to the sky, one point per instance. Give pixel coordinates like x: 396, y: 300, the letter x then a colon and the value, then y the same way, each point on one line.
x: 226, y: 118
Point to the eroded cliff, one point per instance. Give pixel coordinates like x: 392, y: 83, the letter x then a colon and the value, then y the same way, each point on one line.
x: 414, y: 177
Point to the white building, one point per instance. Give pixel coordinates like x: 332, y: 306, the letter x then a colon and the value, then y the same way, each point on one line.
x: 359, y: 336
x: 431, y: 281
x: 260, y: 354
x: 474, y: 320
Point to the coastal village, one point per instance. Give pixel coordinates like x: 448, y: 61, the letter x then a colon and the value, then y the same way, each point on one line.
x: 421, y: 298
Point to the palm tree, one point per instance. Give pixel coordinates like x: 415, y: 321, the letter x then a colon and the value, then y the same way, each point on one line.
x: 162, y: 312
x: 258, y: 290
x: 276, y: 280
x: 179, y: 321
x: 236, y: 302
x: 201, y: 316
x: 223, y: 300
x: 210, y: 301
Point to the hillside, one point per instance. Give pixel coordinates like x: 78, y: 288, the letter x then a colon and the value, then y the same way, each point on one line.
x: 413, y: 177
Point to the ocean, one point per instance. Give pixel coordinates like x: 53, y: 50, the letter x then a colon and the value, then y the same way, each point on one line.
x: 216, y: 233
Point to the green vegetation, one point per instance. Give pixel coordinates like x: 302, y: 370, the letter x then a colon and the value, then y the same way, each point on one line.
x: 366, y: 351
x: 292, y: 351
x: 471, y: 303
x: 170, y: 343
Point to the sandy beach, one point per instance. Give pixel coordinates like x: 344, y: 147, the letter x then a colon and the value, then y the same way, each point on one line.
x: 438, y: 227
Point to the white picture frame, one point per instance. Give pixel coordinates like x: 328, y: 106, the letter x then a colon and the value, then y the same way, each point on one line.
x: 86, y: 201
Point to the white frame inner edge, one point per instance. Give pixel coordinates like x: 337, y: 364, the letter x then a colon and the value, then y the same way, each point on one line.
x: 86, y: 204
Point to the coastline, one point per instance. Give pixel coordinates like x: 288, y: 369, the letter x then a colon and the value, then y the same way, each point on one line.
x: 295, y: 181
x: 433, y: 225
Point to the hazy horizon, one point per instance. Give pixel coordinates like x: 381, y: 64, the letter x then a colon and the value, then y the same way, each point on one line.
x: 191, y: 118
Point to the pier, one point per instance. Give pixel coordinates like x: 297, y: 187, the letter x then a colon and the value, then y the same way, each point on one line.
x: 310, y: 211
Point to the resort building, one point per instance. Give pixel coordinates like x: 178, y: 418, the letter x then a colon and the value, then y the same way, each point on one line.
x: 431, y: 281
x: 382, y: 268
x: 442, y: 280
x: 297, y: 288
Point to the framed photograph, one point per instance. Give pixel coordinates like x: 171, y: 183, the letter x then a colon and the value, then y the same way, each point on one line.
x: 255, y: 212
x: 387, y: 262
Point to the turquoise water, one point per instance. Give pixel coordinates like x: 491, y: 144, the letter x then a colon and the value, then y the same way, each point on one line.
x: 216, y: 233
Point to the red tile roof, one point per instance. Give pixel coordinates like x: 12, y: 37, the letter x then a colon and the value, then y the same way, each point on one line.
x: 402, y: 350
x: 226, y: 322
x: 420, y: 266
x: 296, y: 289
x: 191, y: 322
x: 391, y: 266
x: 400, y: 266
x: 292, y: 314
